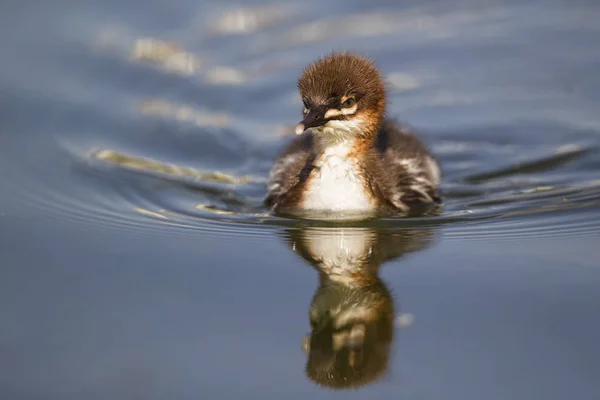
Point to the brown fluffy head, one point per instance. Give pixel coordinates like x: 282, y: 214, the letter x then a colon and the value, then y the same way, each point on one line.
x: 341, y: 87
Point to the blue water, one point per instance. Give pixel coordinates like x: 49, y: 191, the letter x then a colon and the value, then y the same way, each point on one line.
x: 138, y: 262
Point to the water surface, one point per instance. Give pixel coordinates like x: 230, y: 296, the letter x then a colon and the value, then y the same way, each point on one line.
x: 138, y: 261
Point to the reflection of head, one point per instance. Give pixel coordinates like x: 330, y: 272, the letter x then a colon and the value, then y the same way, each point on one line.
x: 352, y: 311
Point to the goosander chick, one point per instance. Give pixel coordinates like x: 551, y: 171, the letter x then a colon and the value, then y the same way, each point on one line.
x: 348, y: 157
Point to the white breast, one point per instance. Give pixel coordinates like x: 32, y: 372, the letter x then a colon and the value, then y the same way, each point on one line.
x: 336, y: 184
x: 339, y: 252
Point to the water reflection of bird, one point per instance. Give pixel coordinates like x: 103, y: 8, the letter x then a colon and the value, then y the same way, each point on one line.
x: 351, y: 159
x: 352, y: 311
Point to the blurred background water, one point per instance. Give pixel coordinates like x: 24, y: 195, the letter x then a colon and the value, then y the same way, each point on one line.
x: 138, y: 262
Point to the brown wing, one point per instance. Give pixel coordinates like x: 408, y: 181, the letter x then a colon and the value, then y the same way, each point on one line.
x: 412, y: 172
x: 287, y: 169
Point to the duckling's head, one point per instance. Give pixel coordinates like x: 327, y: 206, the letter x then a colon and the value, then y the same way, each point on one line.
x: 343, y: 95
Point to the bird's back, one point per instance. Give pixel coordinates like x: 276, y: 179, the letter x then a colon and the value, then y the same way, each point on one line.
x: 410, y: 174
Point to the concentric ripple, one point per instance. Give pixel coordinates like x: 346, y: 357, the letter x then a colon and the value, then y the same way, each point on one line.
x: 140, y: 195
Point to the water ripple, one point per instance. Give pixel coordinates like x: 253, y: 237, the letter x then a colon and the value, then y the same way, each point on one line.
x: 141, y: 196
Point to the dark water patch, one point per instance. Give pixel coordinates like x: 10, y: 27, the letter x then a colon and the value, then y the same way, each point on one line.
x: 563, y: 156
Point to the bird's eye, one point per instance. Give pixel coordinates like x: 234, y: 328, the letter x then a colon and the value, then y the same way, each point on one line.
x: 349, y: 102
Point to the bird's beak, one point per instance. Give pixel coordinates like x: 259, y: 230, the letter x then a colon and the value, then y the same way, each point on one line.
x: 314, y: 118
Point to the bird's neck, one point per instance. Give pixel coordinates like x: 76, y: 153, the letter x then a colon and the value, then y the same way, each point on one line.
x: 345, y: 139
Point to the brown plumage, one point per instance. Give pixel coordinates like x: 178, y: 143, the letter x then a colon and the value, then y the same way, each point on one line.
x: 349, y: 158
